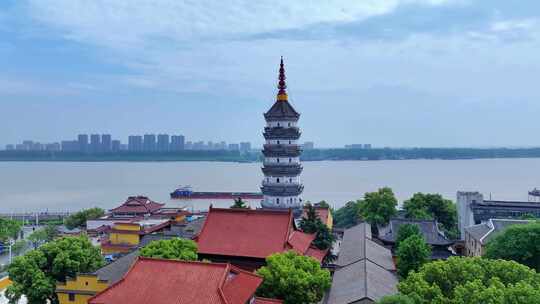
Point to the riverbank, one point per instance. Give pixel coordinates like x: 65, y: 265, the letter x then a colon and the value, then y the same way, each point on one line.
x: 256, y: 156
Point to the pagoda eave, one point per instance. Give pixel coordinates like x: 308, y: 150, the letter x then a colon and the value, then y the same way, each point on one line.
x: 282, y: 191
x: 282, y: 170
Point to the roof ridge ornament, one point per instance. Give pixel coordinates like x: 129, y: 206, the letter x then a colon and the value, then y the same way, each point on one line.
x: 282, y: 93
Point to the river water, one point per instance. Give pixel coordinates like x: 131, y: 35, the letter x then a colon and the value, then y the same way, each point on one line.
x: 70, y: 186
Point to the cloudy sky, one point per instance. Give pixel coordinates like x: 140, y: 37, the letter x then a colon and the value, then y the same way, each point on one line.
x: 386, y: 72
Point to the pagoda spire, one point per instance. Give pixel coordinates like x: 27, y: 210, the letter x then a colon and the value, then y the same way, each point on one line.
x: 282, y: 93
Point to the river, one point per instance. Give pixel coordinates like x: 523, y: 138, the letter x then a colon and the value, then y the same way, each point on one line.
x: 70, y: 186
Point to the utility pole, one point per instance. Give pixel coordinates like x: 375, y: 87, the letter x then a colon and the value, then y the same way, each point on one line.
x: 11, y: 243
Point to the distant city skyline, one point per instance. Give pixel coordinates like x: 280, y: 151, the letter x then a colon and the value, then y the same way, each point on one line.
x: 397, y: 73
x: 98, y: 143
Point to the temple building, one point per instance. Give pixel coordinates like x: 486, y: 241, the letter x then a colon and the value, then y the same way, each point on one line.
x: 281, y: 186
x: 246, y: 237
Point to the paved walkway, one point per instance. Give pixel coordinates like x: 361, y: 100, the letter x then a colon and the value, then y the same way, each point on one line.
x: 4, y: 257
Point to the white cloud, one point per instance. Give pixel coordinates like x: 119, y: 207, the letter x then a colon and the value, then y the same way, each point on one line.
x: 123, y: 23
x: 519, y: 25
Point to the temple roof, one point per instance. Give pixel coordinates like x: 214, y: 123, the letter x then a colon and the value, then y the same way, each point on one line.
x: 253, y: 233
x: 428, y: 228
x: 282, y: 109
x: 169, y: 281
x: 484, y: 232
x: 365, y: 270
x: 138, y: 205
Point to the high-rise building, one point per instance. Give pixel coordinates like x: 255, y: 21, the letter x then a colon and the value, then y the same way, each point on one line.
x: 188, y: 145
x: 70, y: 146
x: 281, y: 186
x: 177, y: 142
x: 116, y: 145
x: 53, y: 147
x: 106, y: 143
x: 135, y: 143
x: 199, y: 145
x: 245, y: 147
x: 10, y: 147
x: 163, y: 142
x: 83, y: 142
x: 149, y: 143
x: 95, y: 143
x: 27, y: 145
x: 233, y: 147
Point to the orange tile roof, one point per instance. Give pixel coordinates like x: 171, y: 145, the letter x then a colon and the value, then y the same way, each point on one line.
x: 250, y: 233
x: 159, y: 281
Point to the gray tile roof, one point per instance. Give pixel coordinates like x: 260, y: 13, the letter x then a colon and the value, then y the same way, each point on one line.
x: 484, y: 232
x: 357, y: 245
x: 478, y: 231
x: 428, y: 228
x: 281, y: 110
x: 115, y: 271
x: 366, y: 269
x: 187, y: 231
x: 363, y: 280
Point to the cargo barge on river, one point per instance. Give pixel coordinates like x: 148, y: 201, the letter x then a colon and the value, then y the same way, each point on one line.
x: 186, y: 192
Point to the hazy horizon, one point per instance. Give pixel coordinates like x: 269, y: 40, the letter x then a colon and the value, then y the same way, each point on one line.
x: 391, y: 73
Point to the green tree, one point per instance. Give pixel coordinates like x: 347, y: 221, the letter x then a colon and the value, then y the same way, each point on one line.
x: 528, y: 216
x: 43, y: 235
x: 311, y: 223
x: 18, y: 247
x: 348, y: 215
x: 323, y: 204
x: 173, y: 249
x: 378, y: 207
x: 432, y: 206
x: 405, y: 231
x: 9, y: 229
x: 471, y: 281
x: 412, y: 253
x: 294, y: 278
x: 396, y: 299
x: 239, y: 204
x: 35, y: 274
x: 520, y: 243
x: 78, y: 219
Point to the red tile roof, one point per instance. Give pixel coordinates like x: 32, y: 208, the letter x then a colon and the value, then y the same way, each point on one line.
x: 299, y: 241
x: 138, y: 205
x: 317, y: 254
x: 168, y: 281
x: 250, y: 233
